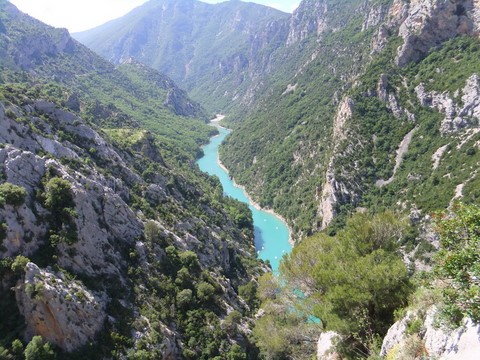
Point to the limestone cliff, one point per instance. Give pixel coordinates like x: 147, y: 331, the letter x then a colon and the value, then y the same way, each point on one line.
x: 63, y: 312
x: 101, y: 239
x: 127, y: 245
x: 433, y: 339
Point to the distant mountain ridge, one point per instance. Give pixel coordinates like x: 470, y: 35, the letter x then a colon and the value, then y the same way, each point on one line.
x: 215, y: 52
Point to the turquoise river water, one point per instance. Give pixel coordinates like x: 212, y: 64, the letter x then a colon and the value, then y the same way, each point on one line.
x: 271, y: 233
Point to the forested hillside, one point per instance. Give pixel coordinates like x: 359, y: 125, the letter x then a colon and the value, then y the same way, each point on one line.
x: 114, y: 245
x: 366, y: 121
x: 217, y: 53
x: 357, y: 121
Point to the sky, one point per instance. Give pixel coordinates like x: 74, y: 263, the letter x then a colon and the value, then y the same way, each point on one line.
x: 79, y: 15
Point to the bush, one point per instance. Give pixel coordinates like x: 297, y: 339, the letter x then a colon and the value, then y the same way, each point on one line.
x: 19, y: 263
x: 37, y: 349
x: 12, y: 194
x: 355, y: 280
x: 249, y: 293
x: 152, y: 232
x: 59, y: 195
x: 458, y: 261
x: 184, y: 298
x: 205, y: 291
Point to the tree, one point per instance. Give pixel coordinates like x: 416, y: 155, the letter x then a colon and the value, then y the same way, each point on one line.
x: 205, y: 291
x: 249, y: 293
x: 20, y: 263
x: 59, y: 195
x: 37, y: 349
x: 12, y: 194
x: 152, y: 232
x: 353, y: 281
x: 236, y: 353
x: 458, y: 261
x: 184, y: 298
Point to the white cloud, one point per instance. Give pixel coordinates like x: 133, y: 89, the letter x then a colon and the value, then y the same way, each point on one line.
x: 76, y: 15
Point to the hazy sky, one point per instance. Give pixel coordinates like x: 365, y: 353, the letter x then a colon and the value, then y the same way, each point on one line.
x: 78, y: 15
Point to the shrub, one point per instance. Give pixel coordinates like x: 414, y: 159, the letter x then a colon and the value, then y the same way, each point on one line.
x: 189, y: 259
x: 19, y: 263
x: 37, y: 349
x: 458, y: 261
x: 152, y: 232
x: 249, y: 293
x: 184, y: 298
x: 12, y: 194
x: 59, y: 195
x: 205, y: 291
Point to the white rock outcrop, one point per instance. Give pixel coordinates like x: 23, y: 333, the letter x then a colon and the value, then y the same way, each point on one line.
x: 458, y: 114
x: 325, y: 346
x: 428, y: 23
x: 439, y: 342
x: 63, y: 312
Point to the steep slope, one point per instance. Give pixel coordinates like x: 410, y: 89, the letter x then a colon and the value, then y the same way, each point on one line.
x: 112, y: 244
x: 370, y: 119
x: 95, y: 87
x: 292, y: 124
x: 215, y: 52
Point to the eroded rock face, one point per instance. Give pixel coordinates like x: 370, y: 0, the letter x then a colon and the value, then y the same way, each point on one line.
x: 63, y: 312
x: 439, y: 342
x: 429, y: 23
x: 309, y: 18
x: 325, y: 346
x: 458, y: 114
x: 333, y: 191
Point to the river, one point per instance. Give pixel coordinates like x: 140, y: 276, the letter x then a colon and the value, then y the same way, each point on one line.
x: 271, y: 233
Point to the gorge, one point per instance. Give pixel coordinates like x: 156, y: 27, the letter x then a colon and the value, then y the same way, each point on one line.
x: 271, y: 233
x: 356, y: 121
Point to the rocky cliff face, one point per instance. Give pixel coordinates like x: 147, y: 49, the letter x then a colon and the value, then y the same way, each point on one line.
x: 428, y: 24
x: 459, y: 114
x: 433, y: 338
x: 64, y: 311
x: 127, y: 244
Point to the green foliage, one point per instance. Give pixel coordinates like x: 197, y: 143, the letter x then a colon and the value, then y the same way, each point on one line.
x: 184, y: 298
x: 355, y: 280
x: 190, y: 260
x: 59, y: 195
x: 141, y: 115
x: 152, y: 232
x: 214, y: 52
x: 236, y: 353
x: 37, y: 349
x: 12, y: 194
x: 205, y: 292
x: 19, y: 263
x: 279, y: 149
x: 458, y: 261
x: 249, y: 293
x: 3, y: 231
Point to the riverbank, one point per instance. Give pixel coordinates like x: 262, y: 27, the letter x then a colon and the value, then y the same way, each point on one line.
x: 256, y: 205
x: 272, y: 235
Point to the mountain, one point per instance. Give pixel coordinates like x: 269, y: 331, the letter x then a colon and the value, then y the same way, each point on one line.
x: 113, y: 244
x: 349, y: 108
x: 355, y: 120
x: 215, y: 52
x: 293, y: 112
x: 380, y: 115
x: 96, y: 87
